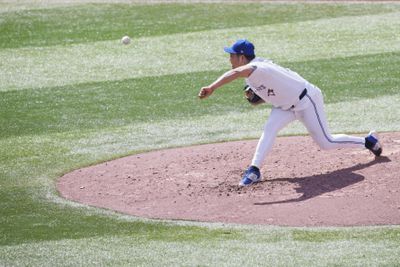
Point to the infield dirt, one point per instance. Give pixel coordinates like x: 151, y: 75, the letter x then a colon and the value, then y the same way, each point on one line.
x: 302, y: 185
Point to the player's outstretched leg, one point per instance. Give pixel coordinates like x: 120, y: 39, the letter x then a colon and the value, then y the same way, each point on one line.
x: 314, y: 118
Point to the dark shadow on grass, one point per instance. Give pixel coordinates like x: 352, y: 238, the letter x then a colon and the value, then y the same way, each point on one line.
x: 316, y: 185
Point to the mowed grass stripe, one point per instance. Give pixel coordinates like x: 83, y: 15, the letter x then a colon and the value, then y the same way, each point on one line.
x: 379, y: 249
x: 72, y: 24
x: 194, y: 52
x: 118, y: 103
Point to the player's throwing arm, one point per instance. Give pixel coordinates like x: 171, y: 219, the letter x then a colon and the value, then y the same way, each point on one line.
x: 227, y: 77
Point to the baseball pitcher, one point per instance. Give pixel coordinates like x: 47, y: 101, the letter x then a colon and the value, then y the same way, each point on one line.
x: 292, y: 98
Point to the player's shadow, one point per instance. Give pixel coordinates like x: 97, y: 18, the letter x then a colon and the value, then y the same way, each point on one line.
x: 316, y: 185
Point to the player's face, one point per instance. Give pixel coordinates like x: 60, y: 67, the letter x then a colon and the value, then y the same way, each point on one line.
x: 237, y: 60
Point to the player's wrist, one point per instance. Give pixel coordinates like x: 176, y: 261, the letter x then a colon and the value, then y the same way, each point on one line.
x: 212, y: 87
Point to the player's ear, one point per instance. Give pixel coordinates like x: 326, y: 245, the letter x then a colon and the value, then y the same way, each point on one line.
x: 242, y: 57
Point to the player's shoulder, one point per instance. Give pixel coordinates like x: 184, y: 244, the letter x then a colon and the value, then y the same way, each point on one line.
x: 260, y: 62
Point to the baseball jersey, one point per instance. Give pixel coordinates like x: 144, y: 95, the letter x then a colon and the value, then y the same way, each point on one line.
x: 274, y: 84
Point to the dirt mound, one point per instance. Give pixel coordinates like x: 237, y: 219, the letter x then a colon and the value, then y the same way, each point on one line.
x: 302, y: 186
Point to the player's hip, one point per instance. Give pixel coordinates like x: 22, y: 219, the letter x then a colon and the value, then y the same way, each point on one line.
x: 306, y: 98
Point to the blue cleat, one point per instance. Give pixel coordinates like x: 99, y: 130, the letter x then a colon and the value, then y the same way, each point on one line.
x: 251, y: 176
x: 372, y: 143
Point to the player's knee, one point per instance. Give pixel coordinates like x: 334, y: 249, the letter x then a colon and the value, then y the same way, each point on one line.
x: 323, y: 143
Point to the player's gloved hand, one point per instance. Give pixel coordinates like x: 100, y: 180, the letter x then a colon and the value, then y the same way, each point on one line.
x: 251, y: 96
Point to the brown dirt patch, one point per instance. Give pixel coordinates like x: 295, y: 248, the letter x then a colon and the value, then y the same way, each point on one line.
x: 302, y: 186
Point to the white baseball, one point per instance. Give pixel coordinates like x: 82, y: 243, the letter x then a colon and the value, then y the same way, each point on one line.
x: 126, y: 40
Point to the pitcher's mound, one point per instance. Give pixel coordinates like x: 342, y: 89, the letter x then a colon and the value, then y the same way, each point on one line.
x: 302, y: 186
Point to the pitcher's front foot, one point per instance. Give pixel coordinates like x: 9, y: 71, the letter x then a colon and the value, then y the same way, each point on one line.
x: 251, y: 176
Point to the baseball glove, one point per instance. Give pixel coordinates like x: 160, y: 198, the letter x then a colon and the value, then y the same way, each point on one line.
x: 251, y: 96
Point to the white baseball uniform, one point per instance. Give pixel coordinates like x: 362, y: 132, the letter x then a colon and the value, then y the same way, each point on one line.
x: 292, y: 98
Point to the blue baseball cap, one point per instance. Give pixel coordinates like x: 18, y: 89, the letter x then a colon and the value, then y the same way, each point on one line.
x: 241, y: 46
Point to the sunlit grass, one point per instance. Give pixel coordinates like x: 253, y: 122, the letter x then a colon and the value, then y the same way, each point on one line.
x: 282, y: 247
x: 69, y: 22
x: 174, y: 97
x: 180, y: 53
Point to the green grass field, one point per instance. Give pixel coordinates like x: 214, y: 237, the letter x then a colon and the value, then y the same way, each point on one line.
x: 71, y: 96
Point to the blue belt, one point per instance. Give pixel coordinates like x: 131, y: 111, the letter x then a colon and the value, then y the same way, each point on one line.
x: 303, y: 94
